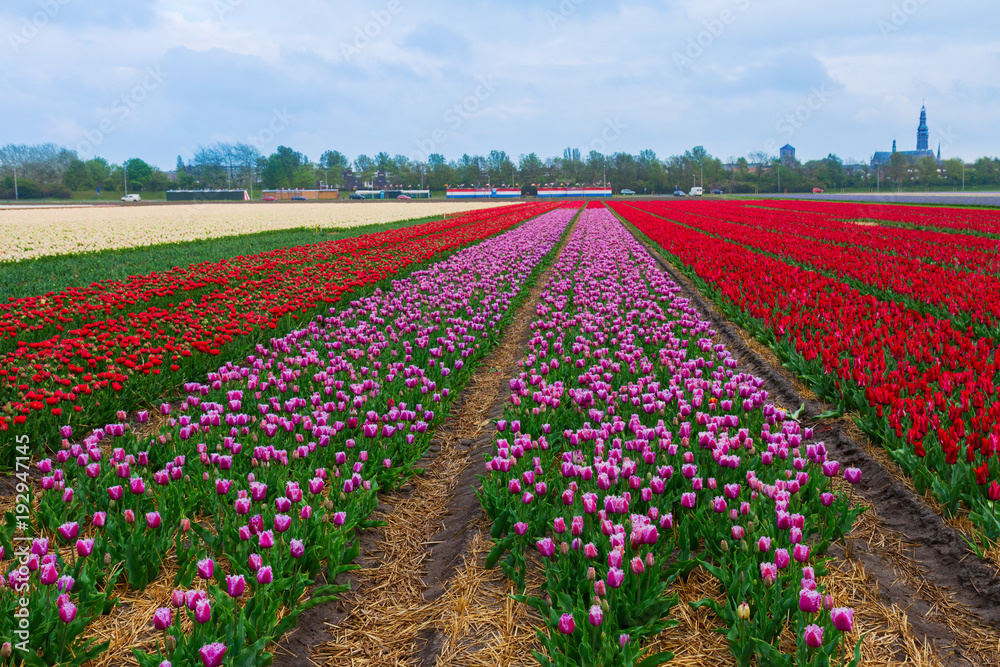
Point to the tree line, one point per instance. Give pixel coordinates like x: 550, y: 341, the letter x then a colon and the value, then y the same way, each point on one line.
x: 48, y: 170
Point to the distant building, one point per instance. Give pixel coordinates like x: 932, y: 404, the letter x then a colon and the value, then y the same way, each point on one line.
x: 787, y: 154
x: 882, y: 158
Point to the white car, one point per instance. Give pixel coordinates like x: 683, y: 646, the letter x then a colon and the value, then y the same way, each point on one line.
x: 626, y: 191
x: 131, y: 198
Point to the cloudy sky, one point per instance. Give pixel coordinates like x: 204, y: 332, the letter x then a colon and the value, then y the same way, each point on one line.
x: 156, y: 78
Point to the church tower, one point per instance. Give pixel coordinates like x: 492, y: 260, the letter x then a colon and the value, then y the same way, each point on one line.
x: 922, y: 133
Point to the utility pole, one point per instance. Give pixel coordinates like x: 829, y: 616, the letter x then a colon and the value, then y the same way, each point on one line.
x: 15, y: 182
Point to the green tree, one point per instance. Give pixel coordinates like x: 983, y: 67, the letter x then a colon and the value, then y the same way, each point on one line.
x: 139, y: 174
x: 78, y: 177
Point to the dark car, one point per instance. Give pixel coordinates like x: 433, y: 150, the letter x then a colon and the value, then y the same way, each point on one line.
x: 680, y: 193
x: 299, y: 198
x: 716, y: 191
x: 355, y: 195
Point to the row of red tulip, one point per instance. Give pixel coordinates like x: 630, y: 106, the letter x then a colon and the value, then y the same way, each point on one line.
x: 86, y: 375
x: 983, y: 221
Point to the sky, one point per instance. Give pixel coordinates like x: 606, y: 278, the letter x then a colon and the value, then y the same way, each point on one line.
x: 156, y: 78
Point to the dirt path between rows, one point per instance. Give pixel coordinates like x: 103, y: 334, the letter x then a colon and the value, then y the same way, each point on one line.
x: 919, y: 563
x: 393, y: 614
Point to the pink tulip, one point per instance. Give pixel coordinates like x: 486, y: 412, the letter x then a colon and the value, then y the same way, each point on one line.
x: 596, y: 616
x: 297, y: 548
x: 781, y: 558
x: 566, y: 624
x: 206, y: 567
x: 67, y: 612
x: 84, y: 547
x: 813, y: 634
x: 852, y: 475
x: 264, y: 575
x: 115, y: 492
x: 137, y: 486
x: 177, y: 599
x: 48, y: 574
x: 843, y: 618
x: 99, y: 519
x: 810, y: 601
x: 162, y: 618
x: 153, y: 520
x: 202, y: 611
x: 235, y: 585
x: 255, y: 562
x: 546, y: 547
x: 266, y: 540
x: 616, y: 577
x: 768, y: 573
x: 212, y: 654
x: 129, y: 517
x: 69, y: 531
x: 282, y: 522
x: 801, y: 553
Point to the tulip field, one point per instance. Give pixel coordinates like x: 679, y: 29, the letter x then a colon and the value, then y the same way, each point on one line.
x: 201, y: 454
x: 30, y: 233
x: 899, y: 324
